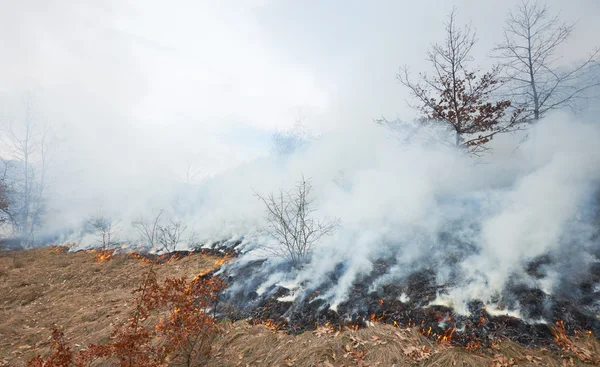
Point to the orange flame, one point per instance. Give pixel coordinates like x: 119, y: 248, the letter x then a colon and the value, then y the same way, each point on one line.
x: 481, y: 321
x: 474, y: 345
x: 103, y: 255
x: 447, y: 337
x: 560, y: 333
x: 220, y: 262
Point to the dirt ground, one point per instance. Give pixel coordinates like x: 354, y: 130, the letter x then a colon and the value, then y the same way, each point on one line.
x: 48, y: 288
x: 242, y: 344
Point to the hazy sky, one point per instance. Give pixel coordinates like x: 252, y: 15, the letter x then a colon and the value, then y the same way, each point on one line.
x: 138, y: 84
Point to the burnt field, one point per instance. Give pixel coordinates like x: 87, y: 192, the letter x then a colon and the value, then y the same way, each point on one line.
x: 86, y: 289
x: 541, y: 321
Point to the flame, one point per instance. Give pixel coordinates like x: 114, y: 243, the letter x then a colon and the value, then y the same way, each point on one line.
x: 474, y: 345
x: 173, y: 258
x: 423, y: 332
x: 220, y: 262
x: 380, y: 302
x: 447, y: 337
x: 481, y: 321
x: 143, y: 259
x: 560, y: 334
x: 562, y: 339
x: 582, y: 332
x: 375, y: 318
x: 62, y: 248
x: 274, y: 326
x: 103, y: 255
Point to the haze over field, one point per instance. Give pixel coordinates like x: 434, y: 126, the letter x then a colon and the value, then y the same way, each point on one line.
x: 174, y: 107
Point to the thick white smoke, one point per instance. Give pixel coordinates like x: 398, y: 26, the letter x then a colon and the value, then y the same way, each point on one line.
x: 417, y: 203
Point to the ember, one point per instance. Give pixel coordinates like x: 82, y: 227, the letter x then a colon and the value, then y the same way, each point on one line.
x: 364, y: 306
x: 103, y: 255
x: 447, y: 336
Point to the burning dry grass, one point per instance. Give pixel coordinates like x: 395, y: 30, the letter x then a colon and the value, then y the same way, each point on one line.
x: 243, y: 344
x: 84, y: 294
x: 81, y: 293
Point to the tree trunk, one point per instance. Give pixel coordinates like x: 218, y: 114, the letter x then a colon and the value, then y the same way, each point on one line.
x: 536, y: 98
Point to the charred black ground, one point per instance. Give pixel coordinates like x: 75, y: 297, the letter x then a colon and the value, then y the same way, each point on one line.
x: 561, y: 286
x: 575, y: 304
x: 540, y: 311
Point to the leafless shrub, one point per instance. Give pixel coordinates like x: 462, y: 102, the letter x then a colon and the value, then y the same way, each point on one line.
x: 148, y: 229
x: 105, y: 229
x: 291, y: 223
x: 169, y: 235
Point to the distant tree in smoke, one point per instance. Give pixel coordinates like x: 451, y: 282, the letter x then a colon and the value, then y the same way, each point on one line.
x: 148, y: 229
x: 164, y: 234
x: 25, y: 174
x: 170, y: 234
x: 288, y: 142
x: 105, y: 229
x: 4, y: 203
x: 459, y: 97
x: 538, y: 84
x: 292, y: 223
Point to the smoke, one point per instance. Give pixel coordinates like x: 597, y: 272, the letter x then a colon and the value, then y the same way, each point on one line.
x: 473, y: 224
x: 172, y: 108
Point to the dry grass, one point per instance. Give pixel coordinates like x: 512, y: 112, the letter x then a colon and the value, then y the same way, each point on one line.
x: 242, y: 344
x: 45, y: 288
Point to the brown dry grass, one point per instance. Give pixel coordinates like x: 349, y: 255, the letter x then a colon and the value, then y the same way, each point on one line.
x: 45, y: 288
x: 242, y: 344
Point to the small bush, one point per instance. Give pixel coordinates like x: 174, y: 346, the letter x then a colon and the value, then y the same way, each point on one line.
x: 181, y: 333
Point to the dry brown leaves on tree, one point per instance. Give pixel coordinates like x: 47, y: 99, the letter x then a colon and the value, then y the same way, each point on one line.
x: 170, y: 325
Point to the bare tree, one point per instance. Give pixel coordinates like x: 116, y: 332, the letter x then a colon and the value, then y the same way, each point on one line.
x: 25, y: 174
x: 456, y: 97
x: 532, y: 37
x: 148, y: 230
x: 287, y: 142
x: 105, y: 229
x: 4, y: 203
x: 191, y: 173
x: 169, y: 235
x: 291, y: 223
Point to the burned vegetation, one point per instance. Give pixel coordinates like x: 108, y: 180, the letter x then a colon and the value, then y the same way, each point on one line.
x: 542, y: 319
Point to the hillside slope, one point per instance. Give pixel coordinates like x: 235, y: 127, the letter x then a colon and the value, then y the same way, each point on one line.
x: 50, y: 288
